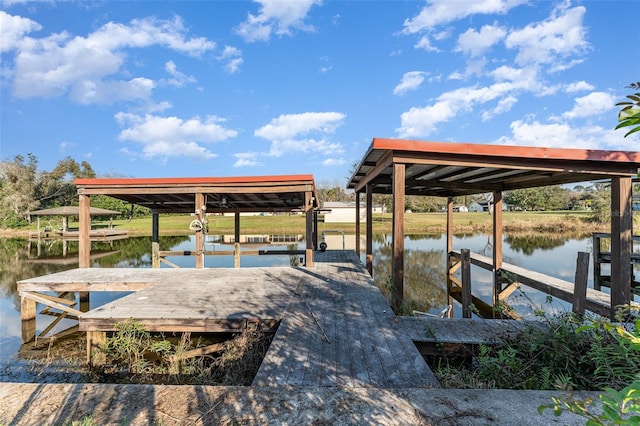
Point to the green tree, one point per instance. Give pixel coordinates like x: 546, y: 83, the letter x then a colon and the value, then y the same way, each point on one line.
x: 629, y: 115
x: 18, y: 183
x: 543, y: 198
x: 57, y: 188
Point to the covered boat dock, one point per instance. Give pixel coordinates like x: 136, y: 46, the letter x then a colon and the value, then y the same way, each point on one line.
x: 446, y: 169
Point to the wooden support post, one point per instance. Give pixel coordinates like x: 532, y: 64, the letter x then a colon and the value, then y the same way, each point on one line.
x: 315, y: 230
x: 621, y: 242
x: 95, y: 341
x: 369, y: 228
x: 308, y: 208
x: 580, y: 284
x: 28, y: 315
x: 465, y: 258
x: 597, y: 265
x: 449, y: 227
x: 497, y: 247
x: 155, y: 239
x: 450, y: 260
x: 236, y: 237
x: 358, y: 223
x: 236, y: 255
x: 397, y: 259
x: 200, y: 215
x: 84, y: 229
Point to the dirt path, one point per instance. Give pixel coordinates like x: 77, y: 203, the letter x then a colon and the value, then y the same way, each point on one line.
x: 62, y: 404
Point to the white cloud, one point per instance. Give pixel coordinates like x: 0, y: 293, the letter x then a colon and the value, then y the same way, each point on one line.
x: 276, y: 16
x: 233, y: 57
x: 107, y: 92
x: 578, y: 86
x: 246, y: 159
x: 549, y: 41
x: 562, y: 135
x: 475, y: 43
x: 13, y: 29
x: 443, y: 12
x: 411, y: 81
x: 334, y: 162
x: 421, y: 121
x: 292, y: 133
x: 503, y: 106
x: 179, y: 79
x: 62, y: 64
x: 165, y: 137
x: 65, y: 145
x: 593, y: 104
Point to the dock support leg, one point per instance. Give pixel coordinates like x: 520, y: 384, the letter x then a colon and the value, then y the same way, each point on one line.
x: 95, y: 341
x: 621, y: 242
x: 369, y: 228
x: 465, y: 257
x: 28, y: 314
x: 155, y: 240
x: 397, y: 259
x: 580, y: 284
x: 308, y: 206
x: 497, y: 249
x: 357, y: 224
x: 236, y: 255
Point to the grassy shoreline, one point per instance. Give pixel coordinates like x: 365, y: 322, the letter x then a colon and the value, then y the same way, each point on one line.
x: 415, y: 223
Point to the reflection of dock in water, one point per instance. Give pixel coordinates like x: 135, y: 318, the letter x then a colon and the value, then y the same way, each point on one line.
x: 69, y: 260
x: 107, y: 234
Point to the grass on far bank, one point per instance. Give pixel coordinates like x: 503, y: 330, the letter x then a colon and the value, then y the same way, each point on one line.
x: 415, y: 223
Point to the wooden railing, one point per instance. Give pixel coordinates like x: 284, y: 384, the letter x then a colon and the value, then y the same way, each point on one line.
x: 602, y: 255
x: 576, y: 293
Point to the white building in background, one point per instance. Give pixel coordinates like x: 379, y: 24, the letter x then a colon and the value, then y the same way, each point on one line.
x: 485, y: 206
x: 346, y: 212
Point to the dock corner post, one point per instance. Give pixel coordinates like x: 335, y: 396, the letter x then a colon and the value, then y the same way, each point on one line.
x: 497, y: 248
x: 621, y: 242
x: 28, y: 316
x: 357, y: 223
x: 308, y: 208
x: 155, y: 240
x: 236, y: 238
x: 397, y: 260
x: 369, y: 228
x: 315, y: 230
x: 95, y: 341
x: 200, y: 214
x: 84, y: 228
x: 580, y: 284
x: 466, y: 298
x: 449, y: 246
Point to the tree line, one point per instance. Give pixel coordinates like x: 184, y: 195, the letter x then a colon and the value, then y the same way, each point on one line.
x: 25, y: 188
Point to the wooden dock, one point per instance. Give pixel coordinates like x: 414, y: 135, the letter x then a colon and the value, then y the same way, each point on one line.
x: 335, y: 327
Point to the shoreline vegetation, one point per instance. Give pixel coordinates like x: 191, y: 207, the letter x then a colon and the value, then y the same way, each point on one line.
x: 415, y: 223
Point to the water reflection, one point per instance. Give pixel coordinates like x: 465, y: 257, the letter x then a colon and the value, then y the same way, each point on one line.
x: 528, y: 243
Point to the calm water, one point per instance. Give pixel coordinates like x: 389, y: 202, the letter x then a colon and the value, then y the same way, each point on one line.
x: 425, y: 286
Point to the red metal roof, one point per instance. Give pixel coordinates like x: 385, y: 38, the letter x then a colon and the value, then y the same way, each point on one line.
x: 222, y: 194
x: 452, y: 169
x: 191, y: 180
x: 456, y: 148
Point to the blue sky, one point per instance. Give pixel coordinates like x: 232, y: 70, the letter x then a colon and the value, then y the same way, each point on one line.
x: 195, y: 88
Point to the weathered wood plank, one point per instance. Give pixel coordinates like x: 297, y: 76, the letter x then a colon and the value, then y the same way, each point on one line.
x: 336, y: 301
